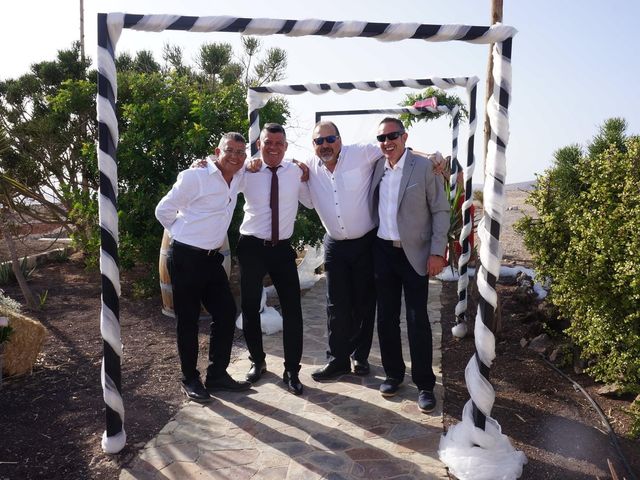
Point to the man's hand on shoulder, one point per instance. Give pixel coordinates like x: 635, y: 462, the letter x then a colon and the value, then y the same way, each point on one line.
x: 199, y: 163
x: 439, y: 162
x: 305, y: 170
x: 254, y: 165
x: 435, y: 264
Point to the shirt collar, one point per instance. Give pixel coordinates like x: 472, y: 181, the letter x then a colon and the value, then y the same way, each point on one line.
x: 283, y: 164
x: 211, y: 166
x: 399, y: 164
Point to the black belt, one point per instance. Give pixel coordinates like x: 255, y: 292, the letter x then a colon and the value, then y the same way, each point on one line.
x: 204, y: 251
x: 392, y: 243
x: 266, y: 243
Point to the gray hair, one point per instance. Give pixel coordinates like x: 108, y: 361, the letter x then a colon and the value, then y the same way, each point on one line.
x: 231, y: 136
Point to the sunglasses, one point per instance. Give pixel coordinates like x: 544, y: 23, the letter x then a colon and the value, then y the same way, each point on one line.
x: 328, y: 138
x: 390, y: 136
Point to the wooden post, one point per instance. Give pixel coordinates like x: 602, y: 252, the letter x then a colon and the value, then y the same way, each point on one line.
x: 82, y: 31
x: 496, y: 16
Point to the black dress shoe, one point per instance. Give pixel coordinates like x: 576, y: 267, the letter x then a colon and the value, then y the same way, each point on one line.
x: 361, y: 367
x: 329, y: 371
x: 293, y: 382
x: 225, y: 383
x: 255, y: 372
x: 390, y: 387
x: 426, y: 401
x: 195, y: 391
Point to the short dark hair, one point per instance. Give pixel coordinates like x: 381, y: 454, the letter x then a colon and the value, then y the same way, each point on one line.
x: 233, y: 136
x: 393, y: 120
x: 274, y: 128
x: 327, y: 122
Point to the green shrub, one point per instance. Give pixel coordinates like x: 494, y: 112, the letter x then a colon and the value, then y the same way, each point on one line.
x: 7, y: 276
x: 586, y: 241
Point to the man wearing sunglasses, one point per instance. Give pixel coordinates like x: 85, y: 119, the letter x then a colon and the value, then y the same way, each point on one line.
x: 339, y: 183
x: 339, y: 180
x: 408, y: 199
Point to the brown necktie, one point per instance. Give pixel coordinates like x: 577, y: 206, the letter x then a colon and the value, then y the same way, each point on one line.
x: 273, y: 203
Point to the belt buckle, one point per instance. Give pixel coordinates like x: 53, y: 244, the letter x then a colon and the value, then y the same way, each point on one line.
x: 268, y: 243
x: 396, y: 243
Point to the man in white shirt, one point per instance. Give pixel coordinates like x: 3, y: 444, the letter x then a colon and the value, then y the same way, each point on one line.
x: 271, y: 204
x: 410, y: 202
x: 197, y: 212
x: 339, y: 180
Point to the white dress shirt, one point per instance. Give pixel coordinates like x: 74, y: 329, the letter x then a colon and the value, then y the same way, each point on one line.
x: 198, y: 209
x: 389, y: 195
x: 340, y: 198
x: 257, y: 192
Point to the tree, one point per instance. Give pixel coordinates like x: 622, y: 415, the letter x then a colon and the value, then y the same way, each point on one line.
x: 269, y: 69
x: 49, y: 116
x: 168, y: 116
x: 585, y: 241
x: 5, y: 231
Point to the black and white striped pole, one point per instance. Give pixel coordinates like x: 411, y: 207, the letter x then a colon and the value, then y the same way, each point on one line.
x: 114, y: 438
x: 460, y: 329
x: 493, y: 194
x: 475, y: 448
x: 110, y: 26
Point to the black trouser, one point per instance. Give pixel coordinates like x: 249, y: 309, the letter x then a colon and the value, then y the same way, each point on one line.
x: 351, y: 298
x: 394, y: 273
x: 256, y: 259
x: 198, y: 278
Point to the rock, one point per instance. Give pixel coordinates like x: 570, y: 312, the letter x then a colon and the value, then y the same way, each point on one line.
x: 611, y: 390
x: 561, y: 355
x: 541, y: 343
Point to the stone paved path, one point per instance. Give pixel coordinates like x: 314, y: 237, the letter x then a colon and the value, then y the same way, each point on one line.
x: 336, y: 430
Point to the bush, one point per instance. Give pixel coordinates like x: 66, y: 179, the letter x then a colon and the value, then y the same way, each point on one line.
x: 8, y: 277
x: 586, y: 241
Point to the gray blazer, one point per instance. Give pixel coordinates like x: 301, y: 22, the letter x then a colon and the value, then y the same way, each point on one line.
x: 423, y: 209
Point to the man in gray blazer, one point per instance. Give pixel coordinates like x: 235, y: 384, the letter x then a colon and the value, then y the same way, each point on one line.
x: 409, y: 201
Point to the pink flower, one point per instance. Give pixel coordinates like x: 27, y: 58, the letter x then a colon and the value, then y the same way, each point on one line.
x: 431, y: 102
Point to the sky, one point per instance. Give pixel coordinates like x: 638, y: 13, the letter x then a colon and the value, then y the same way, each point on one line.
x: 575, y: 64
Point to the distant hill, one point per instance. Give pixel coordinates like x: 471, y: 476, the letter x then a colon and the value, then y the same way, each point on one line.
x: 526, y: 186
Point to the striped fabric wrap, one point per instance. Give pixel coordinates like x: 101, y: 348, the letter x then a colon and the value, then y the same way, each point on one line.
x: 114, y: 438
x: 476, y: 448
